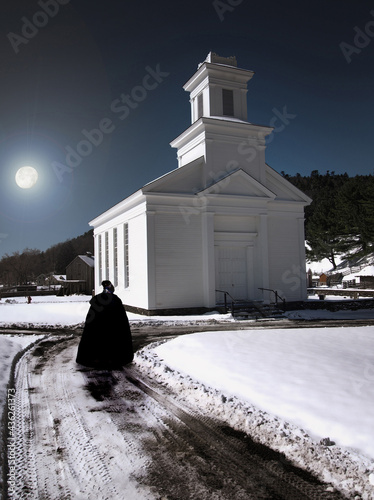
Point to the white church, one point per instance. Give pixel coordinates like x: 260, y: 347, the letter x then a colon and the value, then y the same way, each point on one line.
x: 222, y: 222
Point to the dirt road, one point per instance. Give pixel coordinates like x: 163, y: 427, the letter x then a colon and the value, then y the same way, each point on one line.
x: 82, y: 434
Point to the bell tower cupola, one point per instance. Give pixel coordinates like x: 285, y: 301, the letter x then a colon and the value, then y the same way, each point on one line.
x: 218, y: 89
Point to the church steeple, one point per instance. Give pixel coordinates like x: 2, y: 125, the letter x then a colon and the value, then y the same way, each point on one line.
x: 220, y: 137
x: 218, y: 89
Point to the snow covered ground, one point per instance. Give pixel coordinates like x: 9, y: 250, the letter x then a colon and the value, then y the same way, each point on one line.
x: 290, y: 388
x: 319, y: 379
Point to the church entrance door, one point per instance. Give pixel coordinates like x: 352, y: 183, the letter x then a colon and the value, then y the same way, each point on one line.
x: 231, y: 272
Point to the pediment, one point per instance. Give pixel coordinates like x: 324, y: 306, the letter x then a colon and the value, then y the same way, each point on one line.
x: 239, y: 183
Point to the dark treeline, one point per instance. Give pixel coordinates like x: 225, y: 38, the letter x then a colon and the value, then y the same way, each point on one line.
x: 340, y: 220
x: 22, y: 268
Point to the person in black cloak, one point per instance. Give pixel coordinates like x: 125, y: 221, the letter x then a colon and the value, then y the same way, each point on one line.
x: 106, y: 340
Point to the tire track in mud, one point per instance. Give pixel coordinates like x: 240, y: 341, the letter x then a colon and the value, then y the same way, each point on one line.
x: 195, y: 457
x: 85, y: 434
x: 60, y: 453
x: 259, y: 471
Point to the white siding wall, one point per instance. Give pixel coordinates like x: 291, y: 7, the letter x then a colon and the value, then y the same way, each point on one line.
x: 286, y: 257
x: 234, y: 223
x: 245, y: 154
x: 178, y: 261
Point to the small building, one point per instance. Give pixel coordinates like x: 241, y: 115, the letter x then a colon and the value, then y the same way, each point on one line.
x: 41, y: 279
x: 56, y: 279
x: 80, y: 275
x: 335, y: 279
x: 366, y: 282
x: 323, y: 280
x: 312, y: 279
x: 50, y: 280
x: 362, y: 278
x: 222, y: 222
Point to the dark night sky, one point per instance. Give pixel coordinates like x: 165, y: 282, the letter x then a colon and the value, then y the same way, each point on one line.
x: 65, y: 77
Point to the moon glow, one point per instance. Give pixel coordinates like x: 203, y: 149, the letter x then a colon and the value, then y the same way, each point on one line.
x: 26, y: 177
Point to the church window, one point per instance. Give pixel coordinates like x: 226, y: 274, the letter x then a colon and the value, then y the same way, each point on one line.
x: 115, y: 251
x: 200, y: 106
x: 228, y: 102
x: 126, y: 254
x: 100, y: 259
x: 106, y: 256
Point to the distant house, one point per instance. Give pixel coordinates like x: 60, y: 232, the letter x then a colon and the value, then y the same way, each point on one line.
x: 312, y: 279
x: 323, y: 280
x: 56, y: 279
x: 50, y: 280
x: 366, y: 282
x: 80, y: 275
x: 360, y: 278
x: 335, y: 279
x: 223, y: 222
x: 41, y: 279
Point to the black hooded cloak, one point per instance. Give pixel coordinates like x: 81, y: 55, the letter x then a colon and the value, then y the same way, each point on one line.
x: 106, y: 340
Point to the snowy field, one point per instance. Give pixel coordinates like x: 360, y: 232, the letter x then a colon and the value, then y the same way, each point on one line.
x: 319, y: 379
x: 315, y: 383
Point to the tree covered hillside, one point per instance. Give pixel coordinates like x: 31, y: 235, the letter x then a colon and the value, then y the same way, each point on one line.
x: 340, y: 220
x: 24, y: 267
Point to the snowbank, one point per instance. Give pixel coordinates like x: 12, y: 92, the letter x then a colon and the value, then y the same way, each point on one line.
x: 298, y: 391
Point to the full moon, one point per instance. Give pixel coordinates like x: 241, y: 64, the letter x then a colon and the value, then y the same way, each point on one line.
x: 26, y: 177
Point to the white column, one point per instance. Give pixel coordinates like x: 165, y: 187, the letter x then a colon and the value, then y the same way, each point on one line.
x: 208, y: 261
x: 151, y: 259
x: 264, y: 249
x: 251, y: 292
x: 97, y: 263
x: 301, y: 235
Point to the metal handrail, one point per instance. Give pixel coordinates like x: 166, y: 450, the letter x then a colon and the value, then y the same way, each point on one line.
x: 232, y: 299
x: 277, y: 296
